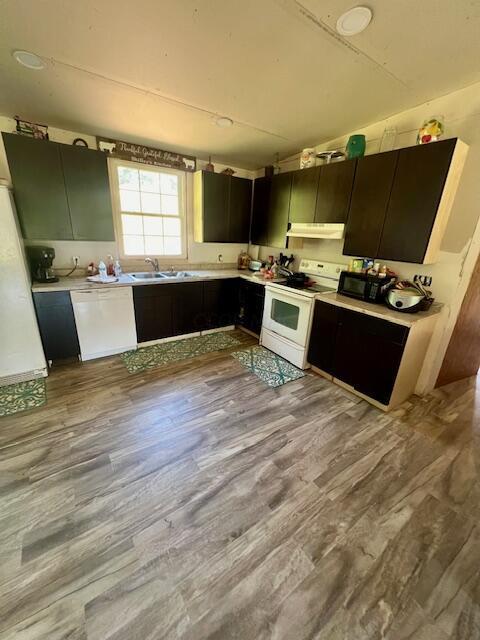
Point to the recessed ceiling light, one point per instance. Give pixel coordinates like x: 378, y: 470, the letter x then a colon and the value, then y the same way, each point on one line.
x: 223, y: 122
x: 28, y: 59
x: 354, y: 21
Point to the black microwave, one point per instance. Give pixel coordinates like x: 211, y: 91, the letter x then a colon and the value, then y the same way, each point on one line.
x: 364, y: 287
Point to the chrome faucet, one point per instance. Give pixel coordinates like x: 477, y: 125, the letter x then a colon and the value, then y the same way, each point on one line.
x: 153, y: 262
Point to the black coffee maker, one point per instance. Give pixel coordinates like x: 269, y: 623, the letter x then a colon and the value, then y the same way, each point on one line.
x: 40, y: 260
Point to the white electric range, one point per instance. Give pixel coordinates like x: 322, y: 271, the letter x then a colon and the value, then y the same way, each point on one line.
x: 288, y: 311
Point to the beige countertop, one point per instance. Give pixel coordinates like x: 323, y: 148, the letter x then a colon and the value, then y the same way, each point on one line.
x: 71, y: 284
x: 380, y: 310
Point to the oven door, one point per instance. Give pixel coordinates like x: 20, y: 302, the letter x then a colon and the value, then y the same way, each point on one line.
x: 287, y: 315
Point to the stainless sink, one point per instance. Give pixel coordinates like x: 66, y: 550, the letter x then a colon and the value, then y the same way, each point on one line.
x: 147, y: 275
x: 175, y: 274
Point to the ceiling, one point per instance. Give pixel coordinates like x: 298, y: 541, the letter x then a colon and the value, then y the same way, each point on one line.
x: 159, y: 71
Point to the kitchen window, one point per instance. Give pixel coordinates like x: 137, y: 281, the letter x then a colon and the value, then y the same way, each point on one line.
x: 149, y: 210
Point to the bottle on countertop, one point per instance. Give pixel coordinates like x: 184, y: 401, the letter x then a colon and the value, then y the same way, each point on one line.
x: 110, y: 266
x: 117, y: 268
x: 102, y: 270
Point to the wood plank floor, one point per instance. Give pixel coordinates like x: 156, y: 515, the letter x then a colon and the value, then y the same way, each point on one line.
x: 193, y: 502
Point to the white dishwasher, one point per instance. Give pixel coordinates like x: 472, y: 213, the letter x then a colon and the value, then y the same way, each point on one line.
x: 105, y: 321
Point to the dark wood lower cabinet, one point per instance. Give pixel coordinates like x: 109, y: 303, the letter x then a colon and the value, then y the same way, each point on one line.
x: 220, y: 303
x: 187, y: 307
x: 251, y: 303
x: 153, y: 312
x: 363, y: 351
x: 57, y: 324
x: 165, y: 310
x: 324, y: 332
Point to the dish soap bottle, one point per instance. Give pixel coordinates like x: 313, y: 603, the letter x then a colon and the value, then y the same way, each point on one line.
x: 102, y: 270
x: 117, y: 270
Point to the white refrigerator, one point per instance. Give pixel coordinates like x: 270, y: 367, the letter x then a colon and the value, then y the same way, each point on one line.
x: 21, y: 352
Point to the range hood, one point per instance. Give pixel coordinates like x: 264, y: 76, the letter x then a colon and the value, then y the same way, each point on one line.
x: 323, y: 230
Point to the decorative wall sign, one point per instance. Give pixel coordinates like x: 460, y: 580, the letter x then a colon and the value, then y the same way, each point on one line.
x: 146, y: 155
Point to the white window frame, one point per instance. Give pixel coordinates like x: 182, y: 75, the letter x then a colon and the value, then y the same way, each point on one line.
x: 113, y: 164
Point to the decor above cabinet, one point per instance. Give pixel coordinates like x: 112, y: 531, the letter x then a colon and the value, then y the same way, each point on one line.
x: 401, y: 202
x: 61, y: 192
x: 222, y: 205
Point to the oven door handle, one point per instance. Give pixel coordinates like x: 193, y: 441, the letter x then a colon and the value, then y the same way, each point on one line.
x: 270, y: 294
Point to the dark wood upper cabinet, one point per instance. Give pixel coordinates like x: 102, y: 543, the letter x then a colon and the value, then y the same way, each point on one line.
x: 222, y: 207
x: 304, y: 195
x: 371, y: 192
x: 334, y: 191
x: 417, y: 190
x: 88, y: 192
x: 39, y: 187
x: 62, y: 191
x: 260, y: 211
x: 211, y: 207
x: 279, y: 209
x: 240, y: 202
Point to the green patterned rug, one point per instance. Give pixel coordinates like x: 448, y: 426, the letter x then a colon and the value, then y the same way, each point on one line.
x: 158, y: 354
x: 266, y: 365
x: 22, y: 396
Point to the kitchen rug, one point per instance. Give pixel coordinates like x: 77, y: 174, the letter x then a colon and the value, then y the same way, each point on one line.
x: 22, y: 396
x: 266, y: 365
x: 165, y: 352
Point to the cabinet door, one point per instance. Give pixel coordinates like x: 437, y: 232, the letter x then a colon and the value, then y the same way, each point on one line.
x: 240, y: 204
x: 57, y: 324
x: 251, y: 303
x: 279, y: 210
x: 304, y: 195
x: 215, y: 196
x: 39, y: 187
x: 88, y: 192
x: 348, y: 355
x: 187, y: 307
x: 334, y: 191
x: 368, y: 353
x: 416, y: 193
x: 321, y: 348
x: 371, y: 192
x: 220, y: 303
x: 153, y: 311
x: 260, y: 209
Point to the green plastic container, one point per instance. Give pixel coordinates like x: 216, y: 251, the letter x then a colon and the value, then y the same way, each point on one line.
x: 356, y: 146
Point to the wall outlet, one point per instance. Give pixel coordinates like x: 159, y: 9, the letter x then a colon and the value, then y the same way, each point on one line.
x: 75, y: 260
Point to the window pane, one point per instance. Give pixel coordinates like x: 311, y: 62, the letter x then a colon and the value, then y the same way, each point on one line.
x: 150, y: 181
x: 173, y: 246
x: 129, y: 200
x: 154, y: 245
x: 132, y: 225
x: 134, y: 245
x: 128, y: 178
x: 171, y: 226
x: 168, y: 184
x: 150, y: 202
x: 153, y: 226
x: 170, y: 205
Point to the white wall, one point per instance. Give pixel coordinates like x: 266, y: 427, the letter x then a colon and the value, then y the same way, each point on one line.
x: 459, y: 249
x: 198, y: 253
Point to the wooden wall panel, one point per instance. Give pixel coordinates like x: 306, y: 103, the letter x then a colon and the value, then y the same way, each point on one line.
x: 462, y: 358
